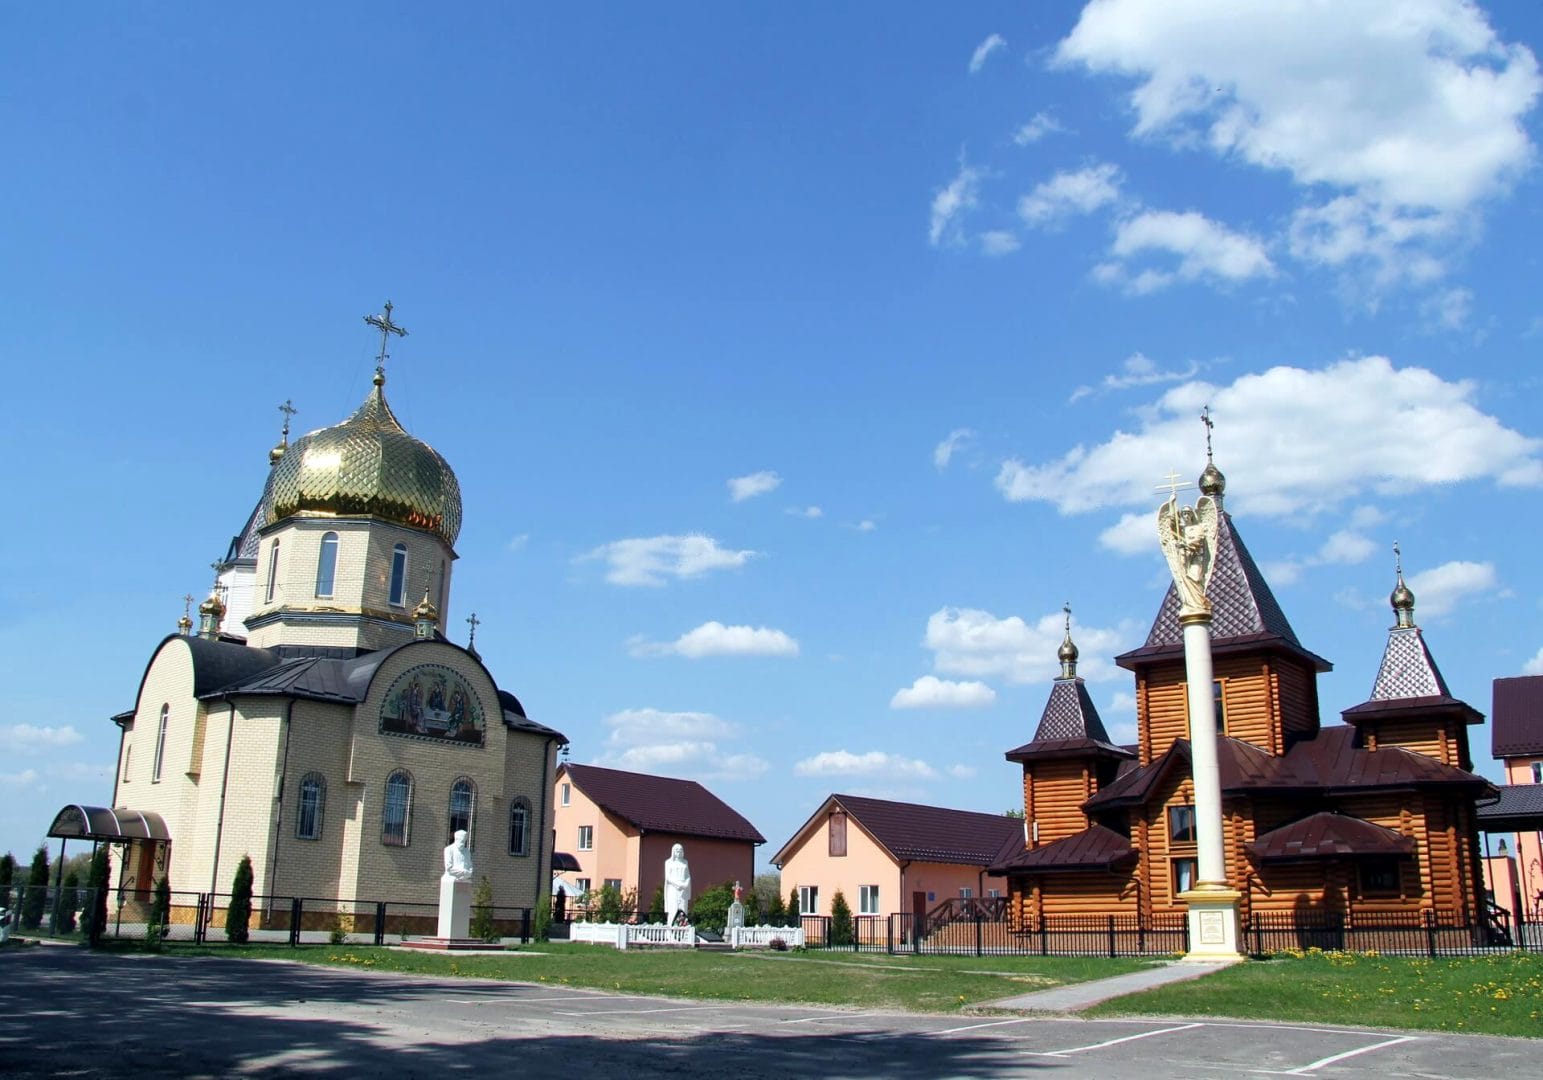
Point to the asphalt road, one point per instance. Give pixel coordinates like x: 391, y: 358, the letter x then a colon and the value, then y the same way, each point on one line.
x: 68, y: 1012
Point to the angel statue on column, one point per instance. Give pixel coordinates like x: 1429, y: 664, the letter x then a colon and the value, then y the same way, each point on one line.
x: 1188, y: 537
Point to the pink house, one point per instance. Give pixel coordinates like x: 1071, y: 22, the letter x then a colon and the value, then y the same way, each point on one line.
x: 1515, y: 878
x: 888, y: 857
x: 619, y: 828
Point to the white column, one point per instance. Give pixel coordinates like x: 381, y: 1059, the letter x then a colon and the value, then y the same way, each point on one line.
x: 1212, y: 868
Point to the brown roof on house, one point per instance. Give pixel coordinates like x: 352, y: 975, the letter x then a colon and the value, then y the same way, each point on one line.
x: 1094, y: 848
x: 1327, y: 835
x: 1517, y: 717
x: 1519, y: 808
x: 661, y: 803
x: 924, y: 833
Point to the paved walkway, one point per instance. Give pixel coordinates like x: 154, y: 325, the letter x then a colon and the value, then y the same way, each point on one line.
x: 1086, y: 994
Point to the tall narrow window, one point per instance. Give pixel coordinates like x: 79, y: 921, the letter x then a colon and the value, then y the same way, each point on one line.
x: 1183, y: 875
x: 463, y: 796
x: 567, y: 793
x: 327, y: 564
x: 1537, y: 772
x: 519, y: 828
x: 273, y: 572
x: 398, y: 591
x: 586, y: 838
x: 838, y: 833
x: 160, y: 744
x: 808, y: 899
x: 1218, y: 703
x: 1181, y: 824
x: 128, y: 749
x: 867, y: 899
x: 398, y: 809
x: 313, y: 799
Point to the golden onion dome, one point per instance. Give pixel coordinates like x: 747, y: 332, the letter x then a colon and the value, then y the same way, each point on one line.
x: 1402, y: 600
x: 367, y: 466
x: 1212, y: 482
x: 213, y: 605
x: 277, y: 452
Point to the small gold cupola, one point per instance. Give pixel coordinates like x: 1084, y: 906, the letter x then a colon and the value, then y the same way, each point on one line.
x: 1212, y: 482
x: 288, y: 409
x: 425, y: 618
x: 211, y: 613
x: 1402, y: 597
x: 1067, y: 653
x: 185, y: 623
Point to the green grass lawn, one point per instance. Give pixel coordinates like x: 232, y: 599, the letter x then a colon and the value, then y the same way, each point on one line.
x: 1492, y: 995
x: 914, y: 983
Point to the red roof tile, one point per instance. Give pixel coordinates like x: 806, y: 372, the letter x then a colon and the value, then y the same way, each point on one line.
x: 662, y: 803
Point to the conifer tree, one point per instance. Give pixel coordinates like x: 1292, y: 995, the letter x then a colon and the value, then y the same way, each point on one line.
x: 239, y: 914
x: 792, y: 908
x: 840, y: 920
x: 33, y: 903
x: 7, y: 876
x: 776, y: 911
x: 67, y: 902
x: 96, y: 917
x: 481, y: 926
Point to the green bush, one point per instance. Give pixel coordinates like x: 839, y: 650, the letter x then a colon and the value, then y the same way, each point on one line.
x: 610, y: 904
x: 776, y: 911
x: 840, y: 920
x: 7, y: 872
x: 541, y: 918
x: 656, y: 907
x: 481, y: 926
x: 96, y: 910
x: 36, y: 900
x: 239, y: 915
x: 710, y: 910
x: 752, y: 904
x: 67, y: 902
x: 792, y: 909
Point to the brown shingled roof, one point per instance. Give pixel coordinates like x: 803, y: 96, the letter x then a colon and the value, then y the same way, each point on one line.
x: 1517, y: 716
x: 1327, y: 835
x: 923, y: 833
x: 661, y: 803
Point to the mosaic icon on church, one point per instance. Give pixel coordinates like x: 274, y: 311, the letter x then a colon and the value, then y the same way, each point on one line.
x: 433, y: 702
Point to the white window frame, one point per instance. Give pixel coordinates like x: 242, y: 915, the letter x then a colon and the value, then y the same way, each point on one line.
x: 273, y: 572
x: 396, y: 586
x: 327, y: 562
x: 567, y: 793
x: 586, y: 838
x: 867, y: 899
x: 808, y: 899
x: 160, y: 745
x: 966, y: 893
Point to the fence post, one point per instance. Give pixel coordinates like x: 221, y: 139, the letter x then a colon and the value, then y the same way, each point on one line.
x: 1044, y: 935
x: 525, y: 927
x: 380, y: 922
x: 1112, y: 952
x: 1430, y: 932
x: 977, y: 932
x: 295, y: 908
x: 889, y: 934
x: 1253, y: 919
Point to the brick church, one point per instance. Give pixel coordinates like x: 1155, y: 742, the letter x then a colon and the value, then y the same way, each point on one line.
x: 1374, y: 814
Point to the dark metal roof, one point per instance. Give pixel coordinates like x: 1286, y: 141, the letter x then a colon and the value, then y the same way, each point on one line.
x: 1070, y: 714
x: 1517, y: 717
x: 1050, y: 749
x: 561, y: 861
x: 1327, y: 835
x: 932, y: 833
x: 1518, y: 809
x: 661, y: 803
x: 106, y: 823
x: 222, y: 663
x: 1094, y: 848
x: 1408, y: 670
x: 1242, y: 608
x: 1329, y: 763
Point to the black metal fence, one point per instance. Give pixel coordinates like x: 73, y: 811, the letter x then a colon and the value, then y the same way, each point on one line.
x: 1427, y: 933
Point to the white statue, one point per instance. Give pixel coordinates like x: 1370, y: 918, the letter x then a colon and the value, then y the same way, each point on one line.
x: 677, y: 885
x: 1188, y: 536
x: 458, y: 858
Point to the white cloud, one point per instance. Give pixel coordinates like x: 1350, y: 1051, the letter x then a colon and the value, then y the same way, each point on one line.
x: 805, y: 511
x: 1039, y: 125
x: 1292, y: 440
x: 716, y: 639
x: 757, y: 483
x: 1393, y: 119
x: 961, y: 195
x: 1205, y: 250
x: 682, y: 744
x: 649, y: 560
x: 1438, y: 590
x: 1344, y: 547
x: 865, y: 525
x: 872, y: 763
x: 1449, y: 309
x: 25, y: 778
x: 968, y: 641
x: 998, y: 242
x: 984, y: 50
x: 1068, y: 193
x: 962, y: 772
x: 931, y: 692
x: 1137, y: 370
x: 944, y: 451
x: 517, y: 543
x: 25, y: 738
x: 1533, y: 666
x: 1119, y: 717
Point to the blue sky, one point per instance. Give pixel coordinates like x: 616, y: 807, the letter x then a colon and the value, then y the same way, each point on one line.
x: 797, y: 365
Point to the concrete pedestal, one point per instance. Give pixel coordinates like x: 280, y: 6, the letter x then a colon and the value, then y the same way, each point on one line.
x: 1214, y: 930
x: 454, y: 908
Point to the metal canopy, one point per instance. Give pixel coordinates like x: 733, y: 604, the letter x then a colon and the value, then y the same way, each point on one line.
x: 104, y: 823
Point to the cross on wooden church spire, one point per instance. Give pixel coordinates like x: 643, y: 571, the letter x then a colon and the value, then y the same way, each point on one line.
x: 383, y: 323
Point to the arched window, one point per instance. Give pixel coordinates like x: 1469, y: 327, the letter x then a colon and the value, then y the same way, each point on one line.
x: 463, y: 795
x: 313, y: 800
x: 327, y: 564
x: 519, y: 827
x: 397, y: 813
x: 273, y: 572
x: 398, y: 591
x: 160, y: 745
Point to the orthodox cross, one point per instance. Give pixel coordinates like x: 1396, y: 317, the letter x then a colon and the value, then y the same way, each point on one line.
x: 473, y: 622
x: 288, y: 409
x: 1398, y: 560
x: 187, y: 604
x: 383, y: 323
x: 1173, y: 484
x: 1067, y: 608
x: 1205, y: 418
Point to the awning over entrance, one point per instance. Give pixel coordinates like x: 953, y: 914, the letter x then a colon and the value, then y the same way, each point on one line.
x: 104, y: 823
x: 562, y: 861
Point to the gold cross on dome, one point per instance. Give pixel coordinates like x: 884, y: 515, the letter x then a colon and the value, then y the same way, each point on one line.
x: 288, y: 409
x: 383, y: 323
x: 1205, y: 418
x: 1173, y: 484
x: 473, y: 622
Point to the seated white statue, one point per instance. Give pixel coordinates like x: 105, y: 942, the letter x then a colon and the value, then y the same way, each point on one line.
x: 677, y: 885
x: 458, y: 858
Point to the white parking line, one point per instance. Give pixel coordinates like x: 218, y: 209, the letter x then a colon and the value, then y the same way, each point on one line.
x: 643, y: 1012
x: 816, y: 1019
x: 1109, y: 1042
x: 1332, y: 1058
x: 989, y: 1023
